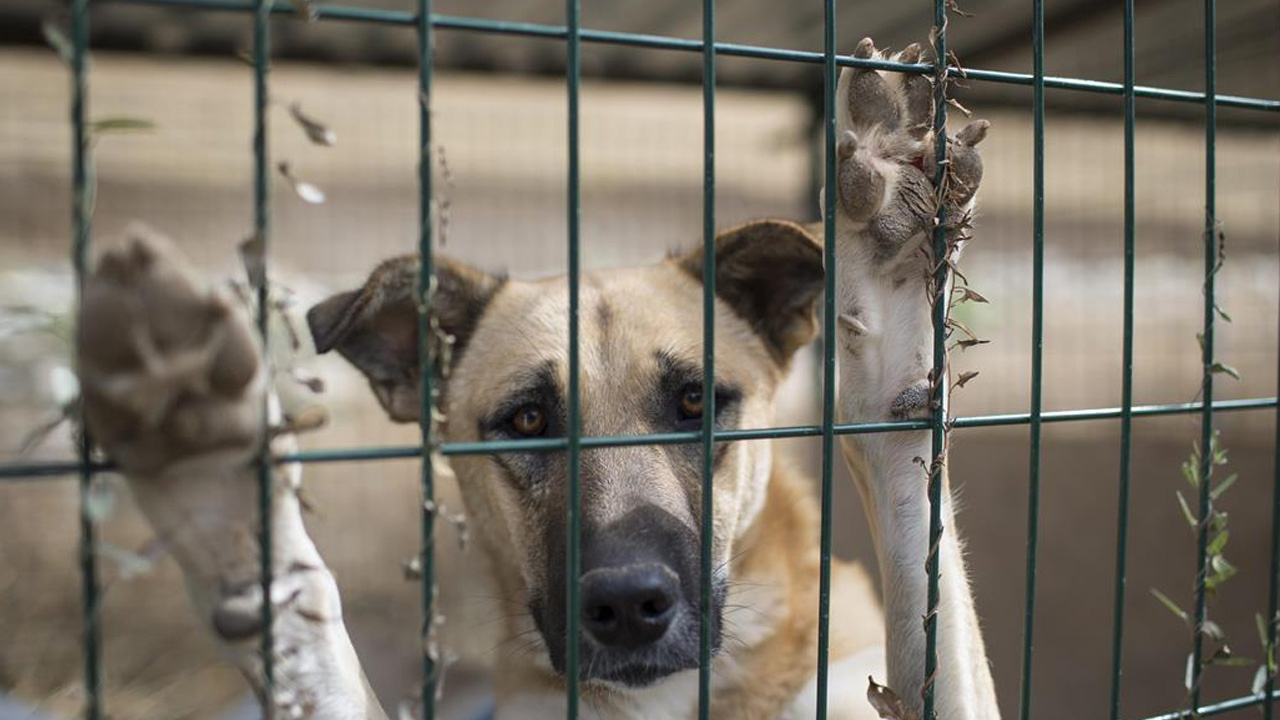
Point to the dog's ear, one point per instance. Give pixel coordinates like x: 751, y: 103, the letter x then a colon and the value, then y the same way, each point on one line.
x: 770, y: 273
x: 376, y: 327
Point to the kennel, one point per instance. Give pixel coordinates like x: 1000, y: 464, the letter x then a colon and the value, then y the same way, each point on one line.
x: 424, y: 22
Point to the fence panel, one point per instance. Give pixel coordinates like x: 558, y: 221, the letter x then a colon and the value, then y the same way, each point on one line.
x: 574, y: 443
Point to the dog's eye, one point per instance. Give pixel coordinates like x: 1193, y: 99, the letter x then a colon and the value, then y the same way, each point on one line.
x: 529, y: 421
x: 691, y: 404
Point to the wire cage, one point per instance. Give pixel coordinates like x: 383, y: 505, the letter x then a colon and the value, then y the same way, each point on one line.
x: 425, y: 23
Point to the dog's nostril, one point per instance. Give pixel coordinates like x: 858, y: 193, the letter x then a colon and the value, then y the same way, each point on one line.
x: 601, y: 615
x: 655, y: 606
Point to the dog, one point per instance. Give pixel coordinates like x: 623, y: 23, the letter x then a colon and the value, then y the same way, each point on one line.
x: 174, y: 391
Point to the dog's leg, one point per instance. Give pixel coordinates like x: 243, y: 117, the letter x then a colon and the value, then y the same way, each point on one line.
x: 174, y: 387
x: 885, y: 203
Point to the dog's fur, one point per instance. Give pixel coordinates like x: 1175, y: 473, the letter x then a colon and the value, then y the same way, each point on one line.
x: 641, y: 353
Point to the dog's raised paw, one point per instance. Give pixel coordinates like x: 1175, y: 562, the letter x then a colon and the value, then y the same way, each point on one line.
x: 886, y: 157
x: 166, y: 364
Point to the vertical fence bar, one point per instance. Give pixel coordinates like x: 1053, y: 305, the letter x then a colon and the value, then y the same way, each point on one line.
x: 829, y: 82
x: 573, y: 561
x: 426, y: 364
x: 81, y: 219
x: 1268, y: 707
x: 1126, y: 383
x: 1037, y: 352
x: 1273, y: 579
x: 708, y: 348
x: 1210, y: 269
x: 262, y: 228
x: 938, y: 419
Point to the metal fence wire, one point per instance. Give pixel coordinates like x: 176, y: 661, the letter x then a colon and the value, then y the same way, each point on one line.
x: 574, y: 443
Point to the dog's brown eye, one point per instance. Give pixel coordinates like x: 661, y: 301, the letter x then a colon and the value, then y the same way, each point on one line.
x: 691, y: 404
x: 529, y: 420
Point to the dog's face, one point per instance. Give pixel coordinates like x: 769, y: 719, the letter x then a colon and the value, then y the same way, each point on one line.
x: 640, y: 373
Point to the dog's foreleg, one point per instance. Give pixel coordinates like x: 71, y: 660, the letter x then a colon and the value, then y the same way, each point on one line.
x: 885, y: 203
x: 174, y: 389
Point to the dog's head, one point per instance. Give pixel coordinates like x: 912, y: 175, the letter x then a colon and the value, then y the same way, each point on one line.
x: 641, y: 356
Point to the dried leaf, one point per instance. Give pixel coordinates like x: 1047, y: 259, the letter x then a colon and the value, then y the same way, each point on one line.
x: 1219, y: 543
x: 1213, y: 631
x: 1230, y: 661
x: 317, y: 132
x: 412, y: 568
x: 1186, y: 509
x: 253, y: 255
x: 966, y: 377
x: 58, y: 40
x: 99, y: 499
x: 307, y: 9
x: 1191, y: 471
x: 968, y: 294
x: 1259, y: 684
x: 1223, y: 486
x: 886, y: 702
x: 952, y: 322
x: 1173, y: 606
x: 1220, y: 367
x: 120, y: 124
x: 1218, y: 521
x: 953, y: 7
x: 1222, y: 572
x: 956, y: 104
x: 307, y: 192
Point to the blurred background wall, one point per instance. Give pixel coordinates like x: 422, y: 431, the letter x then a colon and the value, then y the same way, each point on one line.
x: 499, y: 120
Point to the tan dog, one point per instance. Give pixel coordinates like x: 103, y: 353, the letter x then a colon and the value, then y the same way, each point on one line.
x: 187, y: 452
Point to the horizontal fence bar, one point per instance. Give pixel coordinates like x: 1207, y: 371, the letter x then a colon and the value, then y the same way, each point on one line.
x: 34, y: 470
x: 1221, y: 708
x: 661, y: 42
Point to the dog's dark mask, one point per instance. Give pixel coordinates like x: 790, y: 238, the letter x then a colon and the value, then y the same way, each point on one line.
x: 639, y: 595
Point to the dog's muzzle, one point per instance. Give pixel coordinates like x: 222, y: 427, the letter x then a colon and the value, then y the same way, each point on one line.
x: 639, y: 599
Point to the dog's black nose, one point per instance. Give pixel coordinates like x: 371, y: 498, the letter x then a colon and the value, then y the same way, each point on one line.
x: 629, y: 606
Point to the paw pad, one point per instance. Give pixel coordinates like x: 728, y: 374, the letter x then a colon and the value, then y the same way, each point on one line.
x: 165, y: 362
x: 886, y: 156
x: 912, y: 402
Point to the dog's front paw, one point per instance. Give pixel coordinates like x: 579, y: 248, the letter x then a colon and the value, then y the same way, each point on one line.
x: 887, y: 205
x: 887, y: 162
x: 169, y: 368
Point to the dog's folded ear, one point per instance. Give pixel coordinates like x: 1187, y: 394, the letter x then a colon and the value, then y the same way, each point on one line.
x: 376, y: 327
x: 770, y: 273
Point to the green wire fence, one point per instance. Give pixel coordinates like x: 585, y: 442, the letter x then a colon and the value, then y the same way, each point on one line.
x: 425, y: 23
